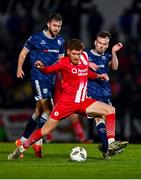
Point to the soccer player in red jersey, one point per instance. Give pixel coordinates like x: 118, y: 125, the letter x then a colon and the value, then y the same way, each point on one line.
x: 75, y: 72
x: 77, y: 126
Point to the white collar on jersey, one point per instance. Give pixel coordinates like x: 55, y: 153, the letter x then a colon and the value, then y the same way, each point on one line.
x: 95, y: 53
x: 45, y: 33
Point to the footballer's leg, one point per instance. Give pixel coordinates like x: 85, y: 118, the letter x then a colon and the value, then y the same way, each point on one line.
x: 18, y: 143
x: 105, y: 154
x: 114, y: 147
x: 42, y: 95
x: 35, y: 136
x: 31, y: 125
x: 99, y: 108
x: 46, y: 107
x: 37, y: 147
x: 78, y: 129
x: 101, y: 131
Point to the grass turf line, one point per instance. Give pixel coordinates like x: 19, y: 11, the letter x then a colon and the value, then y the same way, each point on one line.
x: 57, y: 165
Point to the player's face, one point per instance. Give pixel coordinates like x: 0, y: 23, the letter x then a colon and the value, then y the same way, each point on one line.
x: 54, y: 27
x: 101, y: 45
x: 74, y: 56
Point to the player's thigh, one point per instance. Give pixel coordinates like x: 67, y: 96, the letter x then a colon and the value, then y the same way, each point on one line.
x: 63, y: 110
x: 38, y: 108
x: 100, y: 108
x: 46, y: 105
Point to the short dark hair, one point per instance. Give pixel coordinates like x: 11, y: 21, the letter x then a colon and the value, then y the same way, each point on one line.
x: 104, y: 34
x: 75, y: 44
x: 55, y: 16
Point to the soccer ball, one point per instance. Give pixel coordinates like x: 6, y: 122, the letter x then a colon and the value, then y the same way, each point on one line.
x: 78, y: 154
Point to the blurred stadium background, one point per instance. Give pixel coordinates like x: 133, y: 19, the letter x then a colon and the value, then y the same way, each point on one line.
x: 82, y: 19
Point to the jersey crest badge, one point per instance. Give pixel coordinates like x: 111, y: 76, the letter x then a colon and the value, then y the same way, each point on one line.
x: 45, y: 91
x: 59, y: 42
x: 103, y: 57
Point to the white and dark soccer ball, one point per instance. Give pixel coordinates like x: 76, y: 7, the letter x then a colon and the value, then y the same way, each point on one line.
x: 78, y: 154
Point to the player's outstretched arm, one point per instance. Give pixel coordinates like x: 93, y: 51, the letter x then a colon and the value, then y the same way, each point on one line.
x: 103, y: 77
x: 48, y: 69
x: 94, y: 75
x: 93, y: 66
x: 117, y: 47
x: 114, y: 61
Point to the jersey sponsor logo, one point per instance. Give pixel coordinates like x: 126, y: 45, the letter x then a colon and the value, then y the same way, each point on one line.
x: 74, y: 70
x: 101, y: 66
x: 83, y: 72
x: 45, y: 91
x: 51, y: 50
x: 56, y: 113
x: 90, y: 59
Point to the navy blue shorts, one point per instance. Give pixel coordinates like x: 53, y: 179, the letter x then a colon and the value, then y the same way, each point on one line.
x: 42, y: 89
x: 104, y: 99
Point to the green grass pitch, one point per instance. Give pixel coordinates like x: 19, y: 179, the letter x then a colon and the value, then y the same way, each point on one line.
x: 57, y: 165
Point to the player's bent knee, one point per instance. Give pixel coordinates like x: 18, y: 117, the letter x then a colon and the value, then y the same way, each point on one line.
x: 112, y: 110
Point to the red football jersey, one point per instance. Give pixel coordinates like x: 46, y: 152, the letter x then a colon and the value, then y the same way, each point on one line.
x: 74, y: 78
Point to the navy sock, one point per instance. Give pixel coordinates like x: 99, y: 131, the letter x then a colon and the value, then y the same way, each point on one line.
x: 30, y: 127
x: 41, y: 122
x: 101, y: 130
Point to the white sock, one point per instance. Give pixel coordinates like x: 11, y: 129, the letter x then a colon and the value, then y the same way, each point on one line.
x: 22, y: 149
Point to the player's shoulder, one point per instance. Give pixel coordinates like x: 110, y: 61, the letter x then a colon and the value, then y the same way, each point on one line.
x: 64, y: 59
x: 88, y: 51
x: 107, y: 55
x: 84, y: 54
x: 35, y: 35
x: 59, y: 36
x: 84, y: 57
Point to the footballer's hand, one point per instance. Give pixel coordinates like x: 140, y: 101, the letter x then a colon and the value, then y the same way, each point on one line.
x: 103, y: 77
x: 93, y: 66
x: 20, y: 73
x: 117, y: 47
x: 39, y: 65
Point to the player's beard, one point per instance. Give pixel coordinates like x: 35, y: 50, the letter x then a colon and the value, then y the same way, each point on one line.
x: 100, y: 51
x: 52, y: 33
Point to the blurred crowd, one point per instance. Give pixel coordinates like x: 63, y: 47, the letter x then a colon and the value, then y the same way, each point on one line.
x: 19, y: 18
